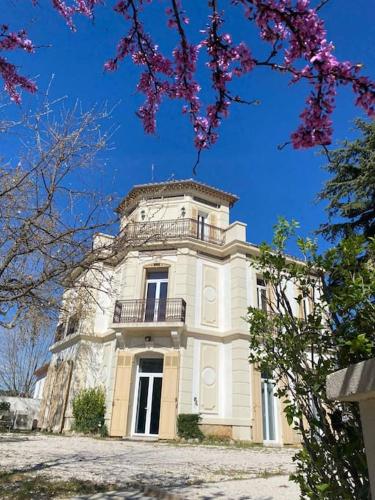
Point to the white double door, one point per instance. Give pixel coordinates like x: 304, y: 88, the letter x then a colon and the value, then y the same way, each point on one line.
x: 147, y: 397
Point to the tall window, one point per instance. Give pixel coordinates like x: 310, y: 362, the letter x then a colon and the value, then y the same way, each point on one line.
x: 261, y: 294
x: 156, y: 295
x: 73, y: 324
x: 307, y: 304
x: 202, y: 226
x: 268, y: 407
x: 305, y: 307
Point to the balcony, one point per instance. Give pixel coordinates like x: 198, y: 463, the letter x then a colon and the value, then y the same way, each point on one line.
x: 149, y: 311
x: 150, y: 231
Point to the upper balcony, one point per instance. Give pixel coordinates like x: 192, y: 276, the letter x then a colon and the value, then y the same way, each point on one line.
x: 151, y: 231
x: 150, y: 311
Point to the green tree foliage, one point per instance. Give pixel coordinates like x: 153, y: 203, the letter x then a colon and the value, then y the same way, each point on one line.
x: 351, y: 190
x: 336, y: 295
x: 89, y: 411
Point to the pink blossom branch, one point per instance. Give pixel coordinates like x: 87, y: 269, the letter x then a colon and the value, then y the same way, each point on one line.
x: 293, y: 28
x: 12, y: 79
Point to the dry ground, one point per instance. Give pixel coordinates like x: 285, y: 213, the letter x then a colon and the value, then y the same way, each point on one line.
x: 190, y: 471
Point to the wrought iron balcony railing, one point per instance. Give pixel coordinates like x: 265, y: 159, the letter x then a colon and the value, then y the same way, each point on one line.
x: 149, y: 231
x: 149, y: 310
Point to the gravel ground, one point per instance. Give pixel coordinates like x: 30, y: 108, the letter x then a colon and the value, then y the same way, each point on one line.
x: 193, y: 472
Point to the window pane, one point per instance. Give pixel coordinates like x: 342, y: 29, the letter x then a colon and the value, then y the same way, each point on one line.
x: 151, y: 365
x: 264, y: 413
x: 155, y: 407
x: 151, y: 290
x: 264, y: 299
x: 150, y: 302
x: 163, y: 290
x: 140, y: 425
x: 157, y: 275
x: 271, y: 412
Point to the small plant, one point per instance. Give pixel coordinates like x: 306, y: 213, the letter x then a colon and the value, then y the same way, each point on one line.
x: 103, y: 431
x: 89, y: 411
x: 188, y: 426
x: 4, y: 406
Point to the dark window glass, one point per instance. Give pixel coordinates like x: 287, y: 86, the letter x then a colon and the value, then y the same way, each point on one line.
x: 206, y: 202
x: 140, y: 425
x: 162, y: 303
x: 157, y: 275
x: 151, y: 365
x: 155, y: 407
x: 266, y: 375
x: 150, y: 302
x: 73, y: 324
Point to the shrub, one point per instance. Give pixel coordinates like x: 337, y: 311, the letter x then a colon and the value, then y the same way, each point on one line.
x: 4, y: 406
x: 89, y: 410
x: 188, y: 426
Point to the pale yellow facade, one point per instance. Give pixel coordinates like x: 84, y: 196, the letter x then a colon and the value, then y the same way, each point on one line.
x: 167, y: 334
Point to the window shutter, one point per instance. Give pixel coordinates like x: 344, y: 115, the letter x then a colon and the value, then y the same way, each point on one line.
x: 47, y: 395
x: 213, y: 225
x: 120, y: 405
x: 257, y: 430
x: 169, y: 396
x: 288, y: 434
x: 271, y: 297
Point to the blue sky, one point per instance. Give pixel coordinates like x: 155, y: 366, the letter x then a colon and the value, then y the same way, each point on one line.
x: 245, y: 160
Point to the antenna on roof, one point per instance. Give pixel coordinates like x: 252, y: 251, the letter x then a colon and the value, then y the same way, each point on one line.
x: 152, y: 172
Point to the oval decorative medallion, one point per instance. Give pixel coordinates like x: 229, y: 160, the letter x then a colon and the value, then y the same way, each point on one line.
x: 210, y: 293
x: 209, y: 376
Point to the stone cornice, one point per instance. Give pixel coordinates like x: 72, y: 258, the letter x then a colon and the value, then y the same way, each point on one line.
x: 186, y: 186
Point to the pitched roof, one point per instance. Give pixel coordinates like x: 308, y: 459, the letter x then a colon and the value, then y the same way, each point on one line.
x: 176, y: 187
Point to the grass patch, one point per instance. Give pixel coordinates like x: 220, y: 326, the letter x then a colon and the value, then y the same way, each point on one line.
x: 23, y: 486
x: 265, y: 474
x: 225, y: 441
x: 217, y: 441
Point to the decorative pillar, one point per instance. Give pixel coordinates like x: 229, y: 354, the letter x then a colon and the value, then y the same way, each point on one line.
x: 357, y: 383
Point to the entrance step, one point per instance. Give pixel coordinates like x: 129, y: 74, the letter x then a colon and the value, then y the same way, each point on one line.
x: 147, y: 439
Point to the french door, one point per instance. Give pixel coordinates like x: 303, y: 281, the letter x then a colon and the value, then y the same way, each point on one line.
x: 269, y: 413
x: 202, y: 229
x: 156, y: 295
x: 149, y: 382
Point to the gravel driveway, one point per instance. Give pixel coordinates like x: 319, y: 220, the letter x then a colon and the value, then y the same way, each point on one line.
x: 194, y: 472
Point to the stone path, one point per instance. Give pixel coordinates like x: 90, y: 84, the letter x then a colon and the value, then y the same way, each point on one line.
x: 184, y: 471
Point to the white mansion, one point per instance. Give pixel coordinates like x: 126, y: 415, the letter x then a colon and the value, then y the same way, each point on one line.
x: 170, y: 337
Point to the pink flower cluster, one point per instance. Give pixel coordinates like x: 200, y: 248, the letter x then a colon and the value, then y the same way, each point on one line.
x: 295, y: 30
x: 226, y: 60
x: 84, y: 7
x: 13, y: 80
x: 8, y: 71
